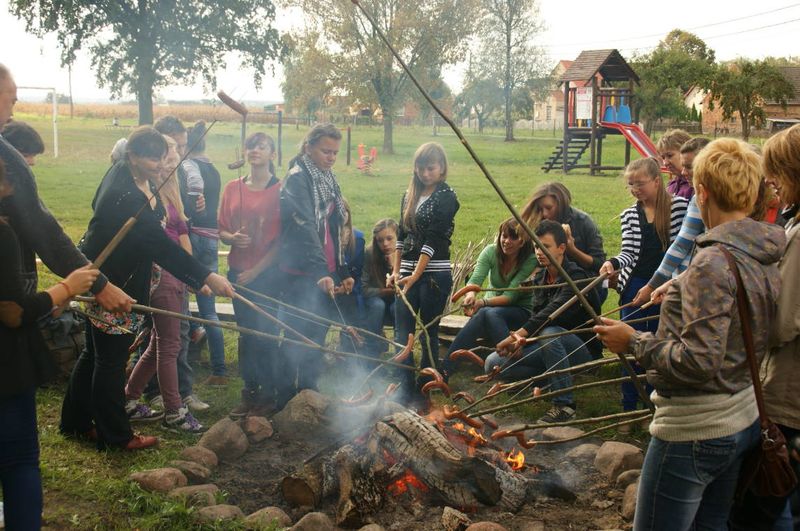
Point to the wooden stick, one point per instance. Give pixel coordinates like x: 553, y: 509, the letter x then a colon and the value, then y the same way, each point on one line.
x: 578, y: 422
x: 140, y: 308
x: 598, y: 430
x: 501, y: 194
x: 639, y: 378
x: 584, y: 330
x: 250, y: 304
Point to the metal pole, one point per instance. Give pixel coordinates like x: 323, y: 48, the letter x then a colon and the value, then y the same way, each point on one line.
x: 348, y: 144
x: 280, y: 139
x: 55, y: 124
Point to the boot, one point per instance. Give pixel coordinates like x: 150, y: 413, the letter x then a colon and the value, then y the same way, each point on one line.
x: 248, y: 401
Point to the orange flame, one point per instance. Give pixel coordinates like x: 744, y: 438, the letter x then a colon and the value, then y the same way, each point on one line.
x: 402, y: 485
x: 516, y: 459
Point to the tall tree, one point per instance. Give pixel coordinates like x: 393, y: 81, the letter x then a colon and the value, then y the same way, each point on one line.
x: 744, y: 86
x: 307, y: 81
x: 426, y: 33
x: 680, y: 61
x: 482, y: 97
x: 508, y: 54
x: 137, y: 46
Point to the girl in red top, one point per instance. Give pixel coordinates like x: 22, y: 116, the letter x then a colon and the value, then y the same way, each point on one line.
x: 249, y: 221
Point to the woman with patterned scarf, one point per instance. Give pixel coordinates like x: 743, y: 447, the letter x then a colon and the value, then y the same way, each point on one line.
x: 311, y: 257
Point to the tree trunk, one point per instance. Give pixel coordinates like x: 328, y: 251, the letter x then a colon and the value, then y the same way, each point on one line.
x: 745, y: 126
x: 388, y: 144
x: 144, y: 95
x: 507, y: 87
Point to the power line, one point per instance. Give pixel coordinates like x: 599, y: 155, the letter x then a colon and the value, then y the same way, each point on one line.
x: 712, y: 24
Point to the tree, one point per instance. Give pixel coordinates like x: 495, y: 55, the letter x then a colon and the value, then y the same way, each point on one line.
x: 680, y: 61
x: 508, y: 54
x: 137, y: 46
x: 744, y: 86
x: 483, y: 97
x: 306, y: 83
x: 426, y: 33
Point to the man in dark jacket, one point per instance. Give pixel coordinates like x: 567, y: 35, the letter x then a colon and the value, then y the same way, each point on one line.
x: 38, y: 231
x: 519, y: 360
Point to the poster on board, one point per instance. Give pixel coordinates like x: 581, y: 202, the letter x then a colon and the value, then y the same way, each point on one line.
x: 583, y: 103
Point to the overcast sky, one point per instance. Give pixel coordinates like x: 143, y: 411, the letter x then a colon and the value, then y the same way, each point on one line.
x: 732, y: 29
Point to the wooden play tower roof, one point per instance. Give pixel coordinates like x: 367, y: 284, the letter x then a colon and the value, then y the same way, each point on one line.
x: 608, y: 63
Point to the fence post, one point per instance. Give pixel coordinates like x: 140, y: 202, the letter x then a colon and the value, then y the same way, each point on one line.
x: 280, y: 139
x: 348, y: 145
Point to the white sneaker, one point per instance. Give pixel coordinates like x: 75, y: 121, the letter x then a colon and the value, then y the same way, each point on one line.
x: 195, y: 404
x: 157, y: 402
x: 138, y: 412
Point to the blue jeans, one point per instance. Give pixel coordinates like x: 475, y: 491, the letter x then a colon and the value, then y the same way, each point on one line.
x: 492, y: 323
x: 379, y: 312
x: 257, y: 355
x: 630, y: 397
x: 428, y: 296
x: 690, y: 485
x: 205, y: 250
x: 546, y: 355
x: 19, y: 462
x: 300, y: 366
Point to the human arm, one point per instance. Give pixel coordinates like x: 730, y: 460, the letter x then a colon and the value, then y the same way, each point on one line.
x: 230, y: 233
x: 247, y: 276
x: 691, y: 227
x: 631, y: 246
x: 696, y: 355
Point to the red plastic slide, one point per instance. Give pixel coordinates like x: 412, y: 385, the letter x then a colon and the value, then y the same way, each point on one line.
x: 636, y: 136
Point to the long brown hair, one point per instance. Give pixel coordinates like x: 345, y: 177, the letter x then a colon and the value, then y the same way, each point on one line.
x: 170, y: 193
x: 348, y: 246
x: 532, y: 214
x: 431, y: 152
x: 663, y: 204
x: 377, y: 263
x: 511, y: 227
x: 781, y: 163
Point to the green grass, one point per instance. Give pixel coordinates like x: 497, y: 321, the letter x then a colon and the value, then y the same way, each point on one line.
x: 88, y: 490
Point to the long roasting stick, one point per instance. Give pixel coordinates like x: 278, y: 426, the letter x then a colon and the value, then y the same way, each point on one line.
x: 584, y: 302
x: 140, y: 308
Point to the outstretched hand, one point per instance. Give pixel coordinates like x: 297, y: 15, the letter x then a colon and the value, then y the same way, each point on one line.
x: 615, y: 335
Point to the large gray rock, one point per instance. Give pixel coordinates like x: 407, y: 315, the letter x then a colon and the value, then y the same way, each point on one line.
x: 196, y: 473
x: 313, y: 522
x: 159, y: 479
x: 307, y: 407
x: 628, y: 477
x: 614, y: 458
x: 197, y: 495
x: 454, y: 520
x: 267, y: 517
x: 586, y: 451
x: 200, y: 455
x: 558, y: 433
x: 219, y: 513
x: 629, y: 501
x: 226, y: 439
x: 257, y: 429
x: 372, y: 527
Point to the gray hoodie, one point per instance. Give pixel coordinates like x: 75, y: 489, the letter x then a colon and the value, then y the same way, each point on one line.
x: 699, y: 348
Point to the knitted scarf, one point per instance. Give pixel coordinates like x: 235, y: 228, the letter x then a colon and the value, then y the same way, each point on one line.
x: 326, y: 189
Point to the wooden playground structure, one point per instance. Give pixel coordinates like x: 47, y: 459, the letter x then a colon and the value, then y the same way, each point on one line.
x: 598, y: 101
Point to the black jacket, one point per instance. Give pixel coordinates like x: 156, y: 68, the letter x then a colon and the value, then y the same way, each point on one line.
x: 301, y: 242
x: 37, y: 230
x: 373, y: 282
x: 545, y: 301
x: 433, y: 227
x: 587, y: 236
x: 25, y: 361
x: 211, y: 190
x: 130, y: 265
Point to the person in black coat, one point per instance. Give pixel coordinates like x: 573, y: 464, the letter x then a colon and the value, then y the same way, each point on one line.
x: 96, y: 388
x: 25, y: 363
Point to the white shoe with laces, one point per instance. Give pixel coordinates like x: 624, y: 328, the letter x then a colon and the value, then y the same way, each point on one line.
x: 195, y: 404
x: 182, y: 421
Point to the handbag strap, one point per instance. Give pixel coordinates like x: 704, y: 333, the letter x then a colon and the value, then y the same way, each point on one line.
x: 747, y: 330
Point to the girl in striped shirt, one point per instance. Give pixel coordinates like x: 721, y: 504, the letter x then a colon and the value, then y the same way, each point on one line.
x: 648, y: 229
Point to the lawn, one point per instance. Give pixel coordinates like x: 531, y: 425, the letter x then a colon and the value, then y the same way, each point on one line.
x: 86, y: 489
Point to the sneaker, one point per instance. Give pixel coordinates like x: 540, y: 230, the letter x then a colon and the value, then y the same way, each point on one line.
x: 198, y: 334
x: 138, y: 412
x: 157, y: 402
x: 557, y: 414
x: 182, y: 421
x: 195, y: 404
x: 216, y: 381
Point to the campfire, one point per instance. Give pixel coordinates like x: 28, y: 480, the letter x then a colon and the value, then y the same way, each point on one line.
x: 398, y: 456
